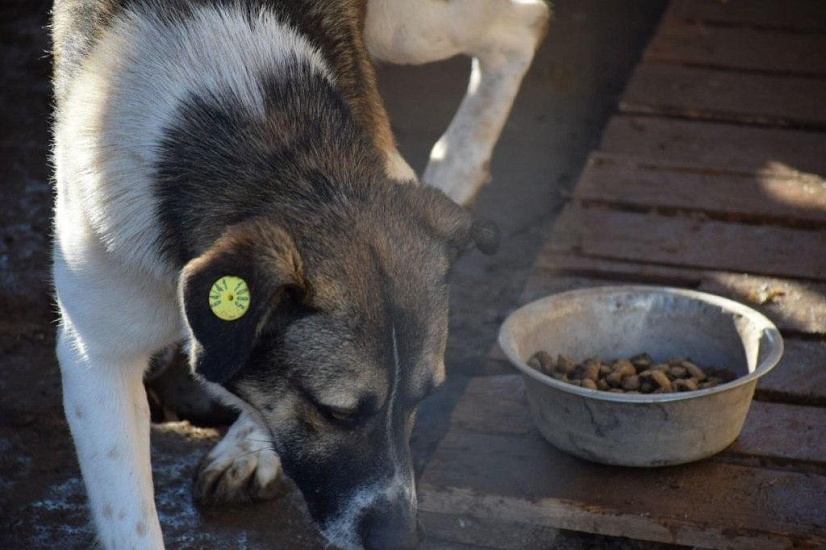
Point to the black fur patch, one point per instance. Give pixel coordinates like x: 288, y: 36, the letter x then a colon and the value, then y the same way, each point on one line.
x: 220, y: 164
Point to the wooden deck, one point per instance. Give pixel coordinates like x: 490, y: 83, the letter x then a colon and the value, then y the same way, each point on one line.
x: 710, y: 177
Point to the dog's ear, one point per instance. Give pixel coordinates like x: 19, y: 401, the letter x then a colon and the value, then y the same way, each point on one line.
x: 229, y: 292
x: 456, y: 224
x: 485, y: 235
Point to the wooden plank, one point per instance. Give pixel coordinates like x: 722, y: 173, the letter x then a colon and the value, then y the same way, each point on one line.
x: 458, y: 531
x: 792, y: 15
x: 773, y: 431
x: 488, y: 467
x: 738, y: 48
x: 783, y: 433
x: 725, y: 96
x: 686, y: 242
x: 796, y: 307
x: 800, y: 377
x: 490, y: 510
x: 725, y: 147
x: 634, y: 183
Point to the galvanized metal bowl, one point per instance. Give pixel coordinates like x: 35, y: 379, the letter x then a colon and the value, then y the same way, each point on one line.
x: 623, y: 321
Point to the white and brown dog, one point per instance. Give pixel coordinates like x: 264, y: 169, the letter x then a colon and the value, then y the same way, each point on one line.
x: 226, y: 176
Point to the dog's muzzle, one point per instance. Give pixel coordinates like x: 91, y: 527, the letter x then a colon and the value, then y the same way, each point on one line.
x: 389, y: 525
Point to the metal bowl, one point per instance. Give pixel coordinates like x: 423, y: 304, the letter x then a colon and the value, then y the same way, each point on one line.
x: 623, y: 321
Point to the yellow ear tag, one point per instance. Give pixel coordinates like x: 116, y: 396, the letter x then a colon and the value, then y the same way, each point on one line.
x: 229, y: 298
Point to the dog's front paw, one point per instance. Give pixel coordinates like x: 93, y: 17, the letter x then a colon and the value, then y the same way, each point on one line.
x: 241, y: 468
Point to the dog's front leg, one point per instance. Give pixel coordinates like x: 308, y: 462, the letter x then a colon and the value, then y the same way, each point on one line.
x: 106, y: 407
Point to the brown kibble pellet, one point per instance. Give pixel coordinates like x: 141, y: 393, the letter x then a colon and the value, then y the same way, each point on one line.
x: 689, y: 384
x: 624, y: 368
x: 661, y: 380
x: 661, y: 367
x: 642, y: 360
x: 631, y: 382
x: 694, y: 370
x: 545, y: 359
x: 605, y: 369
x: 588, y: 383
x: 534, y: 363
x: 614, y: 379
x: 677, y: 371
x: 646, y: 386
x: 603, y: 385
x: 565, y: 364
x: 591, y: 372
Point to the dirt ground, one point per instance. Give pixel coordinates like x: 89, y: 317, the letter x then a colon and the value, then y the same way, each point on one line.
x: 567, y: 97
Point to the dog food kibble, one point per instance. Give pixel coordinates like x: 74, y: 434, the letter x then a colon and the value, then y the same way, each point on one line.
x: 640, y: 374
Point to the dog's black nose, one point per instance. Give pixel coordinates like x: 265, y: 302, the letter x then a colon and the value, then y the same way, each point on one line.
x: 387, y: 528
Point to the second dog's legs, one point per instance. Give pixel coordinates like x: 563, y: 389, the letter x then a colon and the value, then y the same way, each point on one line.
x: 500, y: 35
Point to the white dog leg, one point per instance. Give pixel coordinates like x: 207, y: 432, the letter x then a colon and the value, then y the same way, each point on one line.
x: 108, y: 414
x: 500, y: 35
x: 242, y: 467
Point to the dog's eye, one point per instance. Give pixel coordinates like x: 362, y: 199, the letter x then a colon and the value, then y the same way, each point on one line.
x: 341, y: 416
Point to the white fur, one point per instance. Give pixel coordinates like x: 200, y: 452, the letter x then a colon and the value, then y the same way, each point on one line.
x: 500, y: 35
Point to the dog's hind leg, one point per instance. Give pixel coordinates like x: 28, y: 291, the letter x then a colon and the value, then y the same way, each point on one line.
x: 242, y: 467
x: 500, y: 35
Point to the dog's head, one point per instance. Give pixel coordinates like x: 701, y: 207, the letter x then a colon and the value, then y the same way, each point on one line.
x: 343, y: 335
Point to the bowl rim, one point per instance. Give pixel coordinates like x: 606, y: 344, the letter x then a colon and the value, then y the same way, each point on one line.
x: 776, y: 346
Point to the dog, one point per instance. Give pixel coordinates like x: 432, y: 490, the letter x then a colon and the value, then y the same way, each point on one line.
x: 226, y: 176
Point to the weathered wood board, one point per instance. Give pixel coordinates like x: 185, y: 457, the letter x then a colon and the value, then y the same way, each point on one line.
x: 797, y: 307
x: 738, y: 48
x: 691, y: 241
x: 706, y: 94
x: 710, y: 503
x: 789, y: 15
x: 794, y: 199
x: 711, y: 145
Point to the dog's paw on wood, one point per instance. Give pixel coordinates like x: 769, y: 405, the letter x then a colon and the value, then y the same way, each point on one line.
x: 241, y: 468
